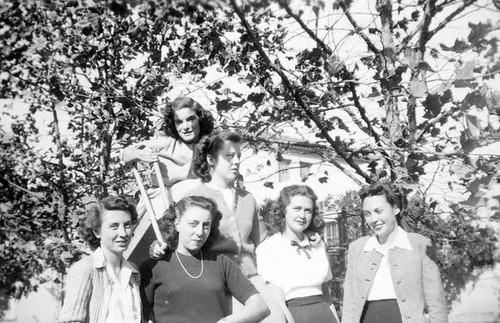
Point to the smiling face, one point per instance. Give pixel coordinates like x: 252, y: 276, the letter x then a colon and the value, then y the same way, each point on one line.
x: 187, y: 125
x: 380, y: 216
x: 227, y: 164
x: 115, y: 231
x: 194, y: 228
x: 298, y: 215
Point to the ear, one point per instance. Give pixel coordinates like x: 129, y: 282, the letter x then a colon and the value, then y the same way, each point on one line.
x: 396, y: 210
x: 210, y: 160
x: 176, y: 223
x: 97, y: 234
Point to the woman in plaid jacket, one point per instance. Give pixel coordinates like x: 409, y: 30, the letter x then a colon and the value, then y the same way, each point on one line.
x: 390, y: 276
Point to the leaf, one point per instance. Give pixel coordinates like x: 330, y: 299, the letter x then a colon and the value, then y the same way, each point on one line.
x: 323, y: 179
x: 459, y: 46
x: 269, y: 185
x: 418, y: 89
x: 466, y: 71
x: 478, y: 32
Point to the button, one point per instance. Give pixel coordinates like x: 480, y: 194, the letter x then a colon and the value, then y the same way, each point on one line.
x: 408, y: 316
x: 367, y: 279
x: 403, y: 299
x: 398, y: 281
x: 362, y: 297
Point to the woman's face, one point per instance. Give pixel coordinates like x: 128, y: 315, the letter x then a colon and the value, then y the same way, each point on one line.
x: 380, y: 216
x: 187, y: 125
x: 298, y: 215
x: 194, y: 227
x: 227, y: 164
x: 115, y: 231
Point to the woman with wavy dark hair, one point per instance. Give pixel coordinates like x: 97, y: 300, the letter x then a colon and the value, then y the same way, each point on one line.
x: 104, y: 287
x: 391, y: 276
x: 190, y: 283
x: 294, y: 258
x: 186, y: 121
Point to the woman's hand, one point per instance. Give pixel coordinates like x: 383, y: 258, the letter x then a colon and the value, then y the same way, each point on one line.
x: 157, y: 249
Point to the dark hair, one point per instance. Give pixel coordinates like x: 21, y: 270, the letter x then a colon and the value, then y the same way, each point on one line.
x: 393, y: 194
x: 205, y: 118
x: 167, y: 222
x: 93, y: 219
x: 210, y: 146
x: 275, y: 220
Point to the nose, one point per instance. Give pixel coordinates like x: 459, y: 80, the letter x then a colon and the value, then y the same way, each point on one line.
x: 199, y: 230
x: 122, y: 231
x: 236, y: 159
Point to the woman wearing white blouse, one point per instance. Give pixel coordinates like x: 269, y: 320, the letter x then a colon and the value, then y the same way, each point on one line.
x: 294, y: 258
x: 390, y: 277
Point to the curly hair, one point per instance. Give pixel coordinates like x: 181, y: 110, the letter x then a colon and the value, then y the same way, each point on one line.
x: 393, y: 194
x: 167, y: 222
x: 210, y: 146
x: 205, y: 118
x: 275, y: 217
x: 92, y: 220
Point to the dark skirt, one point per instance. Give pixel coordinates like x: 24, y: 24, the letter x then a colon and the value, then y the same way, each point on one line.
x: 310, y: 309
x: 384, y: 310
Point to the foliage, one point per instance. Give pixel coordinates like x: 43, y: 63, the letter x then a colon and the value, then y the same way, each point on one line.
x: 100, y: 72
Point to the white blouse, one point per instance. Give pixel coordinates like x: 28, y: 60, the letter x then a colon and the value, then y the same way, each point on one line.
x: 290, y: 268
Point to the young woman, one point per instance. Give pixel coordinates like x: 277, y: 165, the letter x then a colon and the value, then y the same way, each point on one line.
x: 190, y: 283
x: 294, y: 258
x: 186, y: 121
x: 390, y: 277
x: 104, y: 287
x: 217, y: 164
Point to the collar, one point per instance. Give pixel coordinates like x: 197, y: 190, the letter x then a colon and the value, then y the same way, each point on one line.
x: 100, y: 261
x: 397, y: 238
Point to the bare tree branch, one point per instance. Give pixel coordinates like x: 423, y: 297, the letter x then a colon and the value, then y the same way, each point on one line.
x: 296, y: 94
x: 446, y: 20
x: 358, y: 29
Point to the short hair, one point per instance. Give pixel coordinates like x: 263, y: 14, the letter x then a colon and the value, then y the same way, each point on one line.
x: 167, y: 222
x: 276, y: 218
x: 210, y: 146
x: 92, y: 220
x: 205, y: 118
x: 394, y: 195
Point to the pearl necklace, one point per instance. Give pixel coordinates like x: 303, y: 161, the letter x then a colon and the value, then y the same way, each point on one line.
x: 184, y: 268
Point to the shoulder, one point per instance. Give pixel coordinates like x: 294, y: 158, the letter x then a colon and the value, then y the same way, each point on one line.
x: 203, y: 190
x: 83, y: 266
x: 418, y: 241
x: 244, y: 193
x: 270, y: 244
x: 358, y: 243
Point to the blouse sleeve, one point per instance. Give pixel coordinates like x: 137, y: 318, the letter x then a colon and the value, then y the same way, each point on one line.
x: 78, y: 290
x: 237, y: 283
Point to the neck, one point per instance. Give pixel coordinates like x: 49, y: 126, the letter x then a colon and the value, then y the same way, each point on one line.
x: 186, y: 252
x: 383, y: 239
x: 293, y: 236
x: 115, y: 260
x: 218, y: 182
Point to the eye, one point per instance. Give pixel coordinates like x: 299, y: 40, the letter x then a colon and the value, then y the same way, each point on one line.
x: 379, y: 211
x: 128, y: 225
x: 113, y: 225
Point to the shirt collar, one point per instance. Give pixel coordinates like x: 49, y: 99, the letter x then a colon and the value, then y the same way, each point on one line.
x: 100, y: 261
x: 397, y: 238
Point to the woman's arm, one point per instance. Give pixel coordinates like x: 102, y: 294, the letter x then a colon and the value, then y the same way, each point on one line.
x: 325, y: 287
x: 254, y: 310
x: 435, y: 299
x: 77, y: 293
x: 139, y: 152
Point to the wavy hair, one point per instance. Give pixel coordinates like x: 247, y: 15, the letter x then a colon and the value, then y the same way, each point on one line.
x: 393, y: 194
x: 275, y: 219
x: 205, y: 118
x: 92, y: 220
x: 167, y: 222
x: 210, y: 146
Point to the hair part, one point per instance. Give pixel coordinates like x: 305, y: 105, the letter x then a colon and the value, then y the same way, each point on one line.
x: 276, y: 218
x: 167, y: 222
x: 211, y: 146
x: 92, y: 220
x: 205, y: 118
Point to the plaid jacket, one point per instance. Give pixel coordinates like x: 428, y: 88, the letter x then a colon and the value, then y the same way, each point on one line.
x: 416, y: 279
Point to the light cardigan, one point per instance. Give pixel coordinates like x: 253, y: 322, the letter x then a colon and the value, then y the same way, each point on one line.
x: 415, y: 277
x: 87, y: 290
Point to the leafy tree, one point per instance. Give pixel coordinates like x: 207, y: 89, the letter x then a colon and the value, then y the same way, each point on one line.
x: 102, y: 70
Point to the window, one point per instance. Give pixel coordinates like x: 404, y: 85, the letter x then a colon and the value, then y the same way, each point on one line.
x: 284, y: 170
x: 305, y: 170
